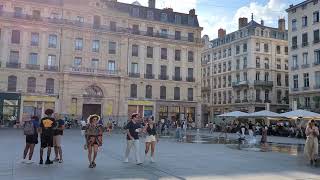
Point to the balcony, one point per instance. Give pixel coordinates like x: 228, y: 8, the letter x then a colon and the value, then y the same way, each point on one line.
x: 317, y: 63
x: 149, y: 76
x: 304, y: 44
x: 163, y: 77
x: 258, y: 101
x: 33, y: 66
x: 263, y: 83
x: 294, y: 47
x: 245, y: 101
x: 51, y: 68
x: 240, y: 84
x: 294, y: 68
x: 49, y: 91
x: 14, y: 65
x: 266, y: 66
x: 237, y: 101
x: 294, y: 89
x: 207, y: 88
x: 303, y: 66
x: 134, y: 75
x: 267, y: 101
x: 190, y: 79
x: 316, y: 41
x: 306, y: 88
x: 317, y: 86
x: 177, y: 78
x: 90, y: 71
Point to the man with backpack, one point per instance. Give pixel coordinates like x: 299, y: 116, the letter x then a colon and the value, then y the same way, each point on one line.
x: 47, y: 125
x: 30, y: 129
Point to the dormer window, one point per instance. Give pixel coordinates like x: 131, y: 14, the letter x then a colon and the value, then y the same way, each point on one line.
x: 190, y: 20
x: 178, y: 19
x: 135, y: 12
x: 164, y: 17
x: 150, y: 15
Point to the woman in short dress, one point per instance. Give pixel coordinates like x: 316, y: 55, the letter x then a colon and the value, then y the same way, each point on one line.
x: 311, y: 145
x: 93, y: 133
x: 151, y: 139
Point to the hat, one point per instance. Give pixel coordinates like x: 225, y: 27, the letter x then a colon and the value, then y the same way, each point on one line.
x: 134, y: 115
x: 93, y: 116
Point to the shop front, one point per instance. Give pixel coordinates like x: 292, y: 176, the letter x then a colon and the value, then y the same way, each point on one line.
x: 36, y: 105
x: 144, y: 108
x: 9, y: 108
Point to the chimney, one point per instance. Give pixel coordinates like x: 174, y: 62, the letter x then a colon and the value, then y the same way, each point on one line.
x: 262, y: 22
x: 282, y: 24
x: 243, y: 22
x: 192, y: 12
x: 221, y: 33
x: 152, y: 4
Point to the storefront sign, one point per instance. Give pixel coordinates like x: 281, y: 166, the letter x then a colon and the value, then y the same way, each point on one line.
x: 39, y: 98
x: 144, y: 103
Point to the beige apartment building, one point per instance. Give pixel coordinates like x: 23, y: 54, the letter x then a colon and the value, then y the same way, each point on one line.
x: 99, y: 56
x: 246, y: 69
x: 304, y: 54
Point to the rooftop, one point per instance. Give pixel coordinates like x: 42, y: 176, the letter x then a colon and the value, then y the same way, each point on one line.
x: 298, y: 5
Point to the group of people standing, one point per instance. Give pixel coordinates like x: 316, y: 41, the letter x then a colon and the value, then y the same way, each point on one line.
x: 50, y: 128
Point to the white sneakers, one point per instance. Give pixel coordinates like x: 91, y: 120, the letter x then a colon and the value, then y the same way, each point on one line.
x: 152, y: 159
x: 126, y: 160
x: 26, y: 161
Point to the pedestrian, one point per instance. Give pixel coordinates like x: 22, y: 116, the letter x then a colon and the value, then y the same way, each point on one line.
x: 311, y: 145
x: 30, y: 128
x: 151, y: 138
x: 264, y: 134
x: 250, y: 127
x: 133, y: 128
x: 93, y: 132
x: 46, y: 130
x: 179, y: 132
x: 57, y: 136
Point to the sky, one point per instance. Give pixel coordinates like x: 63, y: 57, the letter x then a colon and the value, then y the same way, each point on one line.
x: 215, y: 14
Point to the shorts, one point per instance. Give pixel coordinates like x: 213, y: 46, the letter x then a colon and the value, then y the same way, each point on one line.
x: 57, y: 140
x: 32, y: 139
x: 46, y: 141
x: 151, y: 138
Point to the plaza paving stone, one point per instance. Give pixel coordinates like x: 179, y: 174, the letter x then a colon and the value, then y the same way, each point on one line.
x: 174, y: 161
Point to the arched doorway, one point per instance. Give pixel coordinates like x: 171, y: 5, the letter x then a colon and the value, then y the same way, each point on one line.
x: 93, y: 96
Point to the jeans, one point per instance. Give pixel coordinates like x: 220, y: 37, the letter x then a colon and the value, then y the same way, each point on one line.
x: 136, y: 145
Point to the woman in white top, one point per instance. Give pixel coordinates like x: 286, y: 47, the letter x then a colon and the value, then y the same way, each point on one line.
x: 311, y: 145
x: 151, y: 138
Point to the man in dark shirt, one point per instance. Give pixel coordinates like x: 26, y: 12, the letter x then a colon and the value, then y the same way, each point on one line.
x: 47, y: 125
x: 133, y: 128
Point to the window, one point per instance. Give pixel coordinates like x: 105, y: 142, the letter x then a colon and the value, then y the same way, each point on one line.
x: 149, y: 31
x: 190, y: 94
x: 316, y: 36
x: 33, y: 59
x: 77, y: 62
x: 50, y: 86
x: 190, y: 37
x: 31, y: 85
x: 238, y: 77
x: 15, y: 38
x: 150, y: 15
x: 177, y: 72
x: 278, y: 50
x: 295, y: 81
x: 164, y: 33
x: 257, y: 62
x: 176, y: 93
x: 258, y: 95
x: 135, y: 12
x: 133, y: 91
x: 304, y: 21
x: 94, y: 63
x: 95, y: 46
x: 286, y: 50
x: 229, y: 66
x: 148, y: 91
x: 12, y: 84
x: 245, y: 76
x: 266, y: 76
x: 177, y: 35
x: 177, y: 55
x: 149, y: 69
x: 238, y: 64
x: 113, y: 26
x: 245, y: 48
x: 229, y: 52
x: 135, y: 29
x: 257, y: 46
x: 237, y: 49
x: 163, y: 17
x: 304, y: 39
x: 294, y: 42
x: 286, y: 80
x: 190, y: 73
x: 51, y: 60
x: 112, y: 47
x: 278, y: 79
x: 266, y: 95
x: 1, y: 8
x: 135, y: 50
x: 96, y: 21
x: 34, y: 39
x: 14, y: 57
x: 52, y: 41
x: 317, y: 79
x: 306, y: 79
x: 266, y: 63
x: 149, y: 52
x: 163, y: 72
x: 295, y: 61
x: 164, y: 53
x: 317, y: 57
x: 36, y: 14
x: 163, y: 92
x: 79, y: 44
x: 245, y: 94
x: 266, y: 48
x: 305, y: 58
x: 316, y: 17
x: 294, y: 25
x: 279, y: 94
x: 80, y: 19
x: 17, y: 12
x: 258, y: 76
x: 307, y: 102
x: 278, y: 63
x: 190, y: 56
x: 178, y: 19
x: 134, y: 68
x: 111, y: 66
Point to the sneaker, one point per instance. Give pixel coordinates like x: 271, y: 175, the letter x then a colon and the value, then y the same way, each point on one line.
x: 126, y: 160
x: 139, y: 163
x: 56, y: 160
x: 22, y: 161
x: 60, y: 161
x: 41, y: 161
x: 152, y: 160
x: 91, y: 165
x: 48, y: 162
x: 28, y: 161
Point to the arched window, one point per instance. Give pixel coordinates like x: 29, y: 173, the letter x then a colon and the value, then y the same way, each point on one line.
x: 31, y: 85
x: 149, y: 91
x: 12, y: 83
x: 163, y: 92
x: 133, y: 91
x: 176, y: 93
x: 50, y: 86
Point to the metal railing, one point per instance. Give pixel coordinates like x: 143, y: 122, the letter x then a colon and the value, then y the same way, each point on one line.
x: 263, y: 83
x: 90, y: 71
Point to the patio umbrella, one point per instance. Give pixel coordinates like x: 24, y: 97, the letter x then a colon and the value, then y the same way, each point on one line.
x: 301, y: 113
x: 234, y: 114
x: 265, y: 114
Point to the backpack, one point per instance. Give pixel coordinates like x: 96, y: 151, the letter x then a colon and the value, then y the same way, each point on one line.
x: 28, y: 128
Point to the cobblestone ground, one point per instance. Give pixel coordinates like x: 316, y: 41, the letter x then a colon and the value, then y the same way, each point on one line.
x: 174, y: 161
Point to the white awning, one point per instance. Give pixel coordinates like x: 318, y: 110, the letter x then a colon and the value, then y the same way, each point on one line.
x: 265, y: 113
x: 234, y: 114
x: 301, y: 113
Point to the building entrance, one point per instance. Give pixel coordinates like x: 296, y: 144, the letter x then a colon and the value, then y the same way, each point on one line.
x: 89, y: 109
